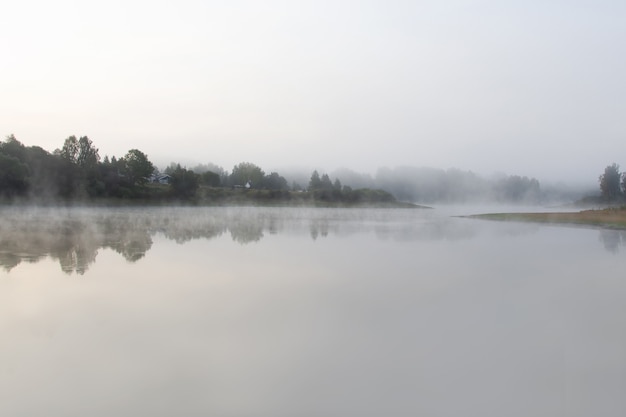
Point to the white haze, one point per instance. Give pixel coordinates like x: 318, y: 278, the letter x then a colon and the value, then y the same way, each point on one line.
x: 532, y: 88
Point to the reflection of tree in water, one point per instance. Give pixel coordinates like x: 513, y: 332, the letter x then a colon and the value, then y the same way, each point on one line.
x: 73, y: 236
x: 434, y: 230
x: 76, y: 259
x: 74, y: 242
x: 318, y: 227
x: 126, y: 236
x: 14, y: 250
x: 75, y: 245
x: 69, y: 241
x: 273, y: 226
x: 132, y: 246
x: 184, y: 232
x: 246, y: 231
x: 612, y: 239
x: 9, y: 260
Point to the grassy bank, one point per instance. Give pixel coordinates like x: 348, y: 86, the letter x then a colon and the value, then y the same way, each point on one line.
x: 611, y: 217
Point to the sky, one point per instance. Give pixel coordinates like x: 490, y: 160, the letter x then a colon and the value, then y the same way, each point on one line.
x: 534, y: 88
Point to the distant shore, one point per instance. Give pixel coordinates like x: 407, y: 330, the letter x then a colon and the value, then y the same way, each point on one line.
x: 613, y: 218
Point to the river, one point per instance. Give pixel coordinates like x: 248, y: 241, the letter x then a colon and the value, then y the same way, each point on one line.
x: 307, y: 312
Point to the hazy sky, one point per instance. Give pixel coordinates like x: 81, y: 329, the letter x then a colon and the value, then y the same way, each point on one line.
x: 534, y: 88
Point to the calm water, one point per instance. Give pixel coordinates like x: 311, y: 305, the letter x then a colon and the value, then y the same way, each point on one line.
x: 317, y: 312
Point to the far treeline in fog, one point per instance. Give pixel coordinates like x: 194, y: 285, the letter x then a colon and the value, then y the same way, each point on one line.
x: 75, y: 171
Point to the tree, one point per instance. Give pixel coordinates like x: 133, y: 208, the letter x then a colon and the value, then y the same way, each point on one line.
x: 610, y: 182
x: 34, y: 170
x: 184, y: 182
x: 81, y: 160
x: 87, y: 157
x: 326, y: 184
x: 517, y: 189
x: 13, y: 147
x: 209, y: 166
x: 171, y: 168
x: 274, y: 181
x: 109, y: 171
x: 79, y: 151
x: 136, y: 167
x: 210, y: 178
x: 69, y: 151
x: 315, y: 182
x: 50, y: 176
x: 13, y: 175
x: 247, y: 172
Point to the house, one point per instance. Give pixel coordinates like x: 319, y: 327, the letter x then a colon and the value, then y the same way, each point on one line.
x: 247, y: 186
x: 161, y: 179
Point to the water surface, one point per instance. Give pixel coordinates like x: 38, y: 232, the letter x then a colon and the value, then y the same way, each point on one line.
x: 315, y: 312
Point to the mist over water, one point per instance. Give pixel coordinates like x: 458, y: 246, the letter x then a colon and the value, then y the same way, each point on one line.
x: 313, y: 312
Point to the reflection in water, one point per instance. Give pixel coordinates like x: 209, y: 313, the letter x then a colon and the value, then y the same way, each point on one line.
x: 613, y: 239
x: 319, y: 227
x: 73, y: 236
x: 246, y: 231
x: 328, y: 313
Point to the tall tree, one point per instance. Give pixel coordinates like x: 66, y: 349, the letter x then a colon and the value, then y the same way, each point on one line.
x: 69, y: 151
x: 326, y: 184
x: 137, y: 167
x: 81, y: 160
x: 87, y: 157
x: 81, y: 152
x: 315, y: 182
x: 610, y: 182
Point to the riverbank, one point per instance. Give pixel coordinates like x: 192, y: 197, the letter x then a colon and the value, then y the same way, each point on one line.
x: 220, y: 197
x: 614, y: 218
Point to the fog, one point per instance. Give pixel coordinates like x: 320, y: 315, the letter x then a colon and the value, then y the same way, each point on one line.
x: 532, y: 89
x: 73, y: 236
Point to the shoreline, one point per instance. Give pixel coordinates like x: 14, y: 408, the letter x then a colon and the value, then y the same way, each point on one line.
x: 609, y: 218
x: 112, y: 203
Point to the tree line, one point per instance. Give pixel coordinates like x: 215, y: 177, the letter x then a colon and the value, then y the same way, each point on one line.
x: 432, y: 185
x: 73, y: 171
x: 76, y: 171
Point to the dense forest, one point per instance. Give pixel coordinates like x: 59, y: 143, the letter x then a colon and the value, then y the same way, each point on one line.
x: 76, y: 172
